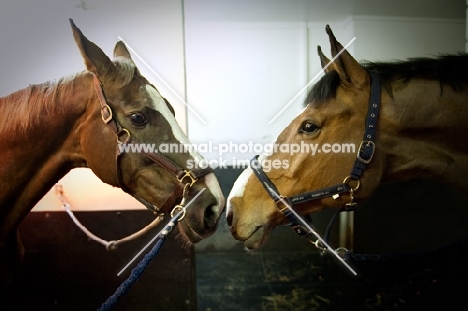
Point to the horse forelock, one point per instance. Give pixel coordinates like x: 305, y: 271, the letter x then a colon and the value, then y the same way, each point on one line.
x: 323, y: 90
x: 126, y: 71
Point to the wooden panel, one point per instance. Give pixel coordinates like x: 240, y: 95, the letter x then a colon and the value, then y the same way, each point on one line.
x: 63, y: 270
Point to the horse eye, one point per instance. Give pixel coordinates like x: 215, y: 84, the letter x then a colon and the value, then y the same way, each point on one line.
x: 308, y: 127
x: 138, y: 118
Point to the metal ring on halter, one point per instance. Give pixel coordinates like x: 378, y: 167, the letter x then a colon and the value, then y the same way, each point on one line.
x: 180, y: 207
x: 176, y: 210
x: 358, y: 183
x: 341, y: 251
x: 124, y: 130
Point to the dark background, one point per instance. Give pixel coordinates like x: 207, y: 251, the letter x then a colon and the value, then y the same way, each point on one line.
x: 63, y: 270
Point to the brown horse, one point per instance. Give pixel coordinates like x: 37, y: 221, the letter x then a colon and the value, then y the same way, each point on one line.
x: 422, y: 116
x: 82, y: 121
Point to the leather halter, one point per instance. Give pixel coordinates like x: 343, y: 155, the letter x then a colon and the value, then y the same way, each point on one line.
x: 364, y: 156
x: 185, y: 178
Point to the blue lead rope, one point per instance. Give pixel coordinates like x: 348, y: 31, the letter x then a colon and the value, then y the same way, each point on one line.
x: 134, y: 275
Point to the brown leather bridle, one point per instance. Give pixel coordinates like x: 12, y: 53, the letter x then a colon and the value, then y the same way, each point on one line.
x: 185, y: 178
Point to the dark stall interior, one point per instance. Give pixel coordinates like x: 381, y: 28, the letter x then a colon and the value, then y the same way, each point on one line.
x: 63, y: 270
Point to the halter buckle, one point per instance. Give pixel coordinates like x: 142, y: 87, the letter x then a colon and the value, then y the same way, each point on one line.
x: 187, y: 174
x: 368, y: 157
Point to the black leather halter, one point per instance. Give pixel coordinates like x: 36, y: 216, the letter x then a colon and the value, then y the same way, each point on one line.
x: 185, y: 178
x: 350, y: 184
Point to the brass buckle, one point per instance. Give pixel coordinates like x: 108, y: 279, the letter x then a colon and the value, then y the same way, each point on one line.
x: 368, y: 143
x: 189, y: 175
x: 109, y: 110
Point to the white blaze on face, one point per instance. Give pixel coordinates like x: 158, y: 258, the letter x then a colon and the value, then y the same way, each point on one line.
x: 238, y: 188
x: 161, y: 106
x: 239, y: 185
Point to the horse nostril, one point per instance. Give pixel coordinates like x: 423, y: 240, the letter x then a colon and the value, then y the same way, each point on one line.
x: 211, y: 214
x: 229, y: 218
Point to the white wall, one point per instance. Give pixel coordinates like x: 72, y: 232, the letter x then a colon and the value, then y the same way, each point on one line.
x: 239, y: 76
x: 390, y: 38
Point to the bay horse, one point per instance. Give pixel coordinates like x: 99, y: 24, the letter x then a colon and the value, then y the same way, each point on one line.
x: 80, y: 121
x: 412, y: 115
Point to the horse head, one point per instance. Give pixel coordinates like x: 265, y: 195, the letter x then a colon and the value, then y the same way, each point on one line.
x: 316, y: 150
x: 125, y: 126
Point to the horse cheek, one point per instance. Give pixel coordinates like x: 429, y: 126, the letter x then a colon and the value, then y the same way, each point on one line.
x: 100, y: 151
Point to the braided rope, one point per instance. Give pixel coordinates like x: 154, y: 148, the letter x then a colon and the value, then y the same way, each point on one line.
x: 109, y: 245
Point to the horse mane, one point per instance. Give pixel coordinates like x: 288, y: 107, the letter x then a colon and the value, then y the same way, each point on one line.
x: 449, y: 70
x: 26, y: 108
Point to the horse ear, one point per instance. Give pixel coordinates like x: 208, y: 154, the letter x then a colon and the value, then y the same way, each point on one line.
x: 95, y: 60
x: 324, y: 61
x: 120, y: 50
x: 350, y: 71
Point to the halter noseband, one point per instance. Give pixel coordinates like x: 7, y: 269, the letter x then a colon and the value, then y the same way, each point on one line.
x: 364, y: 156
x: 185, y: 178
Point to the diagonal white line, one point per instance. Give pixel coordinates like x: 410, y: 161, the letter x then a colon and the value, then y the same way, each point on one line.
x: 311, y: 81
x: 331, y: 250
x: 161, y: 79
x: 159, y: 233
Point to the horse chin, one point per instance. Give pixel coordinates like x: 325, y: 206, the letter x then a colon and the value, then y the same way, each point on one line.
x: 258, y: 238
x: 192, y: 235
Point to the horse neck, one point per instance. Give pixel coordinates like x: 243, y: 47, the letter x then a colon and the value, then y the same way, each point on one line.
x: 420, y: 131
x: 40, y: 142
